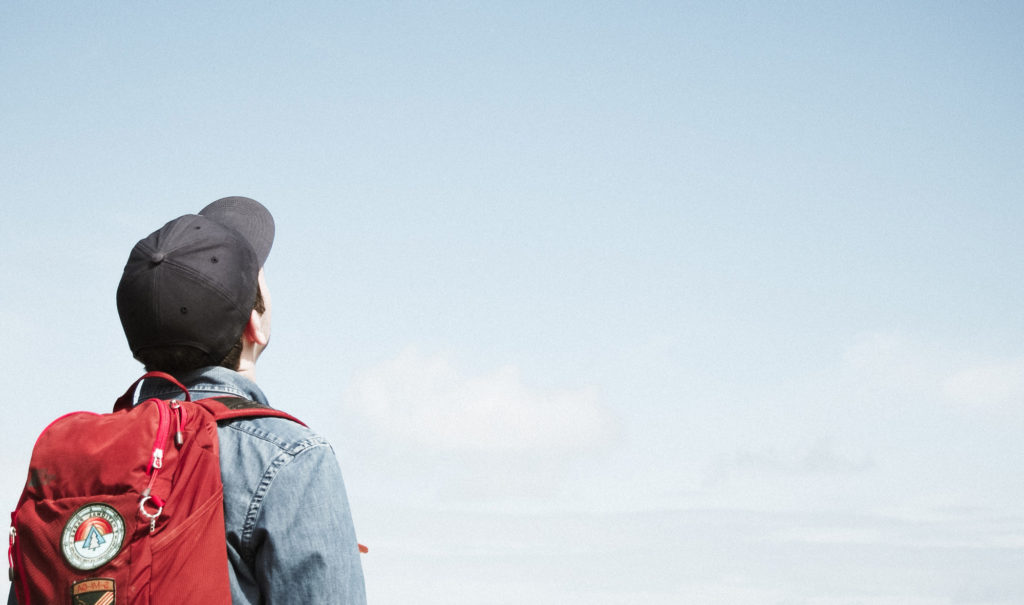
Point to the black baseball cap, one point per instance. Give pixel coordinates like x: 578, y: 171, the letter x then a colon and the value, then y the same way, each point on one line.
x: 193, y: 282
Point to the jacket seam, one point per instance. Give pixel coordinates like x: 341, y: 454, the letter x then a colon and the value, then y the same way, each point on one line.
x: 278, y: 464
x: 293, y: 448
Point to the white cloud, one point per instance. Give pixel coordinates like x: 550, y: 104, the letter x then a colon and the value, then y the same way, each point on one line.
x: 997, y: 385
x: 424, y: 400
x: 891, y: 366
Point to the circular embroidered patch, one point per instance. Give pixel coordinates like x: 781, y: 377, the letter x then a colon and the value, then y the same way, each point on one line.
x: 92, y: 536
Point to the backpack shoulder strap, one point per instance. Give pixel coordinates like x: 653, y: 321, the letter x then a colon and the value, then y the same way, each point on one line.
x: 231, y: 408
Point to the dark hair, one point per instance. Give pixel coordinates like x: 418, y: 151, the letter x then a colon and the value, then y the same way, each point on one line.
x: 181, y: 358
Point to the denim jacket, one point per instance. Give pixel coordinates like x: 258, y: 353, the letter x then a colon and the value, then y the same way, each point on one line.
x: 290, y: 537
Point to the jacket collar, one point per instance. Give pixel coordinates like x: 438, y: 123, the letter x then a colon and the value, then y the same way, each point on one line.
x: 204, y: 382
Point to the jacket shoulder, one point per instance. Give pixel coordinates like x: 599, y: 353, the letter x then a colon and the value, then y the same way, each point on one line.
x: 279, y: 433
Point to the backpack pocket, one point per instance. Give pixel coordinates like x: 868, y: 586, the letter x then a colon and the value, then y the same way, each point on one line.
x: 187, y: 566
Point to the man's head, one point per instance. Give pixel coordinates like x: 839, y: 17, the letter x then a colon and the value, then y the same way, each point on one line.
x: 188, y: 291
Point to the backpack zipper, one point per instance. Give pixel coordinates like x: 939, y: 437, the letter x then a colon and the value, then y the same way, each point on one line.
x: 163, y: 427
x: 156, y: 462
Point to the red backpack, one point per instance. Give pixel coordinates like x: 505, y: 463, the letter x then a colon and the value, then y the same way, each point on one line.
x: 126, y: 507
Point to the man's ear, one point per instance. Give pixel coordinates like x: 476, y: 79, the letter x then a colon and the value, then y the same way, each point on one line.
x: 254, y: 329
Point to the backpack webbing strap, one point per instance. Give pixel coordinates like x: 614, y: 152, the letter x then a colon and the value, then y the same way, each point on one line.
x: 231, y: 408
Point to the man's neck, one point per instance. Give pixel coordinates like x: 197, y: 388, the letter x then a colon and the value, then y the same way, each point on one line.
x: 247, y: 360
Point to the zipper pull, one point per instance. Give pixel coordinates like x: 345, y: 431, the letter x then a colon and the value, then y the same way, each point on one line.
x: 158, y: 458
x: 179, y: 422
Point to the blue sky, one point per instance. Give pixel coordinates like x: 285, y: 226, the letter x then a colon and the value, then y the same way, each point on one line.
x: 599, y: 302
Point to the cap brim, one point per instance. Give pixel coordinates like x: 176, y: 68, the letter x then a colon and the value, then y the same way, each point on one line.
x: 248, y: 217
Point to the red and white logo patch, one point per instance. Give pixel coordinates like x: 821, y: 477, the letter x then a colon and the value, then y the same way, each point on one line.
x: 93, y: 536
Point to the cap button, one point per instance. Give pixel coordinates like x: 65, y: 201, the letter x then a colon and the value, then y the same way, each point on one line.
x: 158, y: 257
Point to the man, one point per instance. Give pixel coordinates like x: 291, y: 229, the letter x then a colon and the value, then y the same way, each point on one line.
x: 194, y: 303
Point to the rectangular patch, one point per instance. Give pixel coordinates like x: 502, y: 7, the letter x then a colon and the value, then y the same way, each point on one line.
x: 94, y: 591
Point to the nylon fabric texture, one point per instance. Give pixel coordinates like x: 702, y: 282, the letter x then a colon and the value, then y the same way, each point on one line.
x: 126, y: 508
